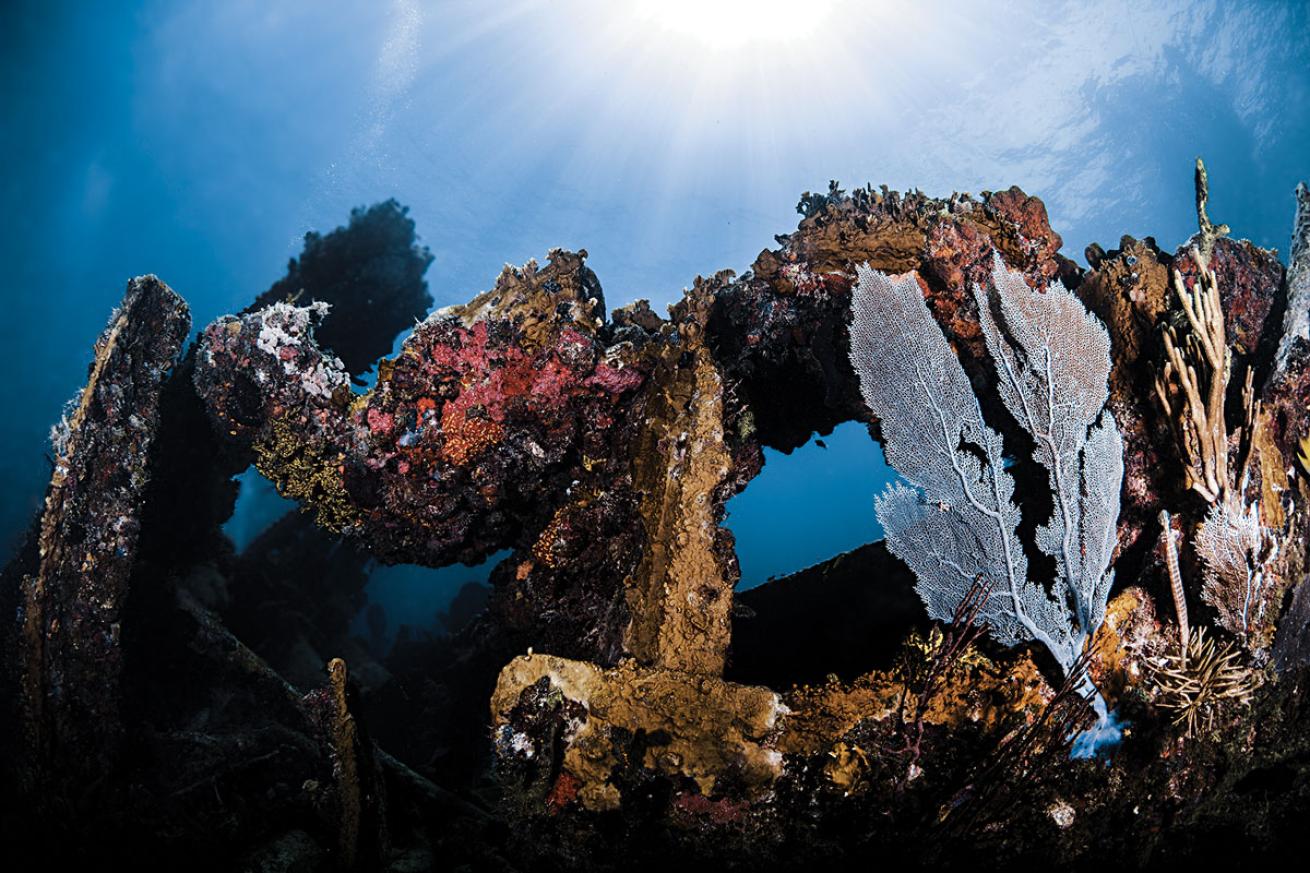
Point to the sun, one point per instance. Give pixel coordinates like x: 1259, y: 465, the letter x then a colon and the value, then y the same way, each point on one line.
x: 735, y: 24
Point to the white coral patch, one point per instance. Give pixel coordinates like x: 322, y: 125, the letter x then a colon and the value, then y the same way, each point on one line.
x: 1061, y: 813
x: 284, y: 326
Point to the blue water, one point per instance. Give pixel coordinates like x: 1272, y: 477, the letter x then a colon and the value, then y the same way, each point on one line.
x: 200, y: 140
x: 810, y: 505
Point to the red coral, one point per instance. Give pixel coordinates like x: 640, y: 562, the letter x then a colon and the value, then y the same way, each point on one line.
x: 958, y: 254
x: 465, y: 436
x: 1247, y: 278
x: 614, y: 380
x: 720, y: 812
x: 380, y: 422
x: 563, y: 792
x: 1033, y: 229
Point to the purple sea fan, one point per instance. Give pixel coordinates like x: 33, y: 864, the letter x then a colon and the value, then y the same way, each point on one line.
x: 956, y: 519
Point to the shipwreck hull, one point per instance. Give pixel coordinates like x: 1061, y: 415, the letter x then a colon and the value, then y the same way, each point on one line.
x: 617, y: 703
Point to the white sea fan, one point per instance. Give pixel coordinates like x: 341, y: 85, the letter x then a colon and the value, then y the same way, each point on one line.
x: 955, y: 522
x: 1236, y: 550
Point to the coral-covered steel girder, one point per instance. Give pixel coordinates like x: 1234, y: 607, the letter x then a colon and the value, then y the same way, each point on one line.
x: 471, y: 435
x: 72, y: 608
x: 602, y: 452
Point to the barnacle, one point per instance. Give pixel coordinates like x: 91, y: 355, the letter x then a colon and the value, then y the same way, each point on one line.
x: 1194, y: 679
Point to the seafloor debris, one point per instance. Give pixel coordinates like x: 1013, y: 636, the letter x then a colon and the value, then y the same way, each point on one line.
x: 181, y: 695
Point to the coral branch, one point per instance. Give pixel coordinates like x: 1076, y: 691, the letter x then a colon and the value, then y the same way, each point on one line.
x: 1192, y: 383
x: 1208, y: 230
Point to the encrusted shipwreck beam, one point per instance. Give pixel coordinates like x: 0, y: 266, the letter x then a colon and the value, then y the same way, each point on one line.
x: 680, y: 596
x: 509, y: 421
x: 601, y: 451
x: 469, y: 435
x: 73, y: 603
x: 710, y: 727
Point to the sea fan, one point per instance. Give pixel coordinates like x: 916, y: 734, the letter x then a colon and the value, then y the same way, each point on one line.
x: 955, y: 521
